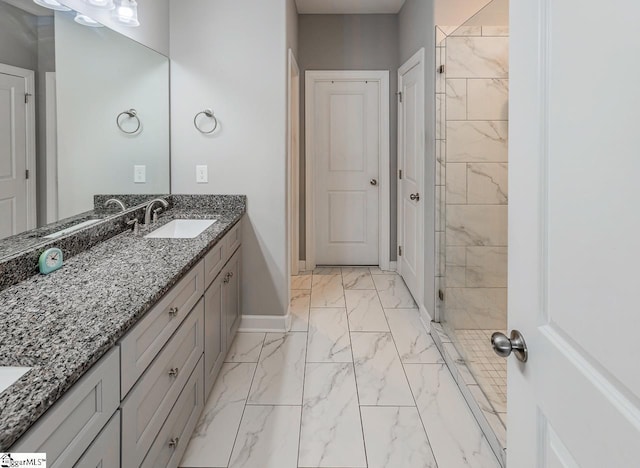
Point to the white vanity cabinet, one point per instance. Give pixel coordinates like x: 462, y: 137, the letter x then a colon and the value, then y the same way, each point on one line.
x: 140, y: 403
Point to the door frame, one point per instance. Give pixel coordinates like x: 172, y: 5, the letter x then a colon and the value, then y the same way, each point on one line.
x: 293, y: 162
x: 30, y: 126
x: 384, y: 212
x: 417, y: 60
x: 51, y: 147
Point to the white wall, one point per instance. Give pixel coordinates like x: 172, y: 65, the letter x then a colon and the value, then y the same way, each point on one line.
x: 153, y: 31
x: 99, y: 74
x: 230, y: 55
x: 417, y: 29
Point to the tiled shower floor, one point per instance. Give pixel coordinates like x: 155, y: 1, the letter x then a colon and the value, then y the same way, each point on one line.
x: 489, y: 369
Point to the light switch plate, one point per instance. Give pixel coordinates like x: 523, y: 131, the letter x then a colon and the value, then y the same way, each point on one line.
x: 202, y: 174
x: 139, y: 174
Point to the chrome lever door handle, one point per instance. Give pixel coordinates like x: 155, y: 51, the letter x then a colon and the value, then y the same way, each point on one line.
x: 504, y: 346
x: 415, y: 196
x: 373, y: 182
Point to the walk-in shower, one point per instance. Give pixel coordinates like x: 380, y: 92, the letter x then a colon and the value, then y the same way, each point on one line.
x: 472, y: 89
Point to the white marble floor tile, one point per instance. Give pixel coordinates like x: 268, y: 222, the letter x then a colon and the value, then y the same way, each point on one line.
x: 268, y: 438
x: 394, y: 437
x: 365, y: 311
x: 280, y: 372
x: 300, y: 303
x: 377, y: 271
x: 302, y: 281
x: 327, y: 291
x: 454, y: 434
x: 414, y: 344
x: 379, y: 372
x: 327, y: 270
x: 328, y: 336
x: 357, y: 278
x: 331, y: 433
x: 393, y: 293
x: 245, y: 347
x: 212, y: 440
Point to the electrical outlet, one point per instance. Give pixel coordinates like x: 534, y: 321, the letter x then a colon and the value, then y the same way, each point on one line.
x: 202, y: 174
x: 139, y: 174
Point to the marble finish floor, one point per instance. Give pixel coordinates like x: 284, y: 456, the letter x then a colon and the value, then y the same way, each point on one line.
x: 356, y: 383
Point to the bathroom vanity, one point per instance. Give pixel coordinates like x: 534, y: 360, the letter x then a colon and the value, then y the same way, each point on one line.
x: 124, y: 342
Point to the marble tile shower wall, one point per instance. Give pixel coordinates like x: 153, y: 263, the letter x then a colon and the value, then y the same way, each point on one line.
x: 471, y: 175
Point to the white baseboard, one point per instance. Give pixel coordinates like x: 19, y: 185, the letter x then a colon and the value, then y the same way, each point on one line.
x: 302, y: 265
x: 265, y: 323
x: 393, y: 266
x: 425, y: 317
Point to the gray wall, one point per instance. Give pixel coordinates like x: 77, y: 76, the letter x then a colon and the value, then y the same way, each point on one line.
x: 351, y: 42
x: 416, y: 26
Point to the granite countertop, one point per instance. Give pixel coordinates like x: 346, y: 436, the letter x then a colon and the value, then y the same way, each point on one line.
x: 63, y: 323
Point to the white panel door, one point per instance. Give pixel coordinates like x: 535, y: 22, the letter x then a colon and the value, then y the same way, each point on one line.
x: 13, y: 156
x: 574, y: 243
x: 346, y: 145
x: 411, y: 156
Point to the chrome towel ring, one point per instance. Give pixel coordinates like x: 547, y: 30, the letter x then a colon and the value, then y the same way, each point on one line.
x: 208, y: 113
x: 133, y: 114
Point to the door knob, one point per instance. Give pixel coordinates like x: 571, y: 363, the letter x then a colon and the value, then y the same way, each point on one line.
x: 373, y: 182
x: 504, y: 346
x: 415, y: 196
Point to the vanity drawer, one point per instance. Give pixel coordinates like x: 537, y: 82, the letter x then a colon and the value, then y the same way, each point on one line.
x: 68, y: 428
x: 141, y: 345
x: 214, y: 261
x: 233, y: 238
x: 172, y: 441
x: 151, y: 399
x: 105, y: 450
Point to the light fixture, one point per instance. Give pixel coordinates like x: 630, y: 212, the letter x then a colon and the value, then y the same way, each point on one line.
x: 52, y: 5
x: 85, y: 20
x: 127, y: 13
x: 102, y: 4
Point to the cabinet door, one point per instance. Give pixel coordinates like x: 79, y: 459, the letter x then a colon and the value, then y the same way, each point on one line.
x: 231, y: 296
x: 214, y: 334
x: 105, y: 449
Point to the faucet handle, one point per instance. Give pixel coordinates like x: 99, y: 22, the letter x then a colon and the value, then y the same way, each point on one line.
x: 136, y: 226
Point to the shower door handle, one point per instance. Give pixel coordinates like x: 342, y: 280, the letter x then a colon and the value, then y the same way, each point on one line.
x: 504, y: 346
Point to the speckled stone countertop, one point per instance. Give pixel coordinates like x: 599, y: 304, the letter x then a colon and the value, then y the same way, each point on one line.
x: 63, y: 323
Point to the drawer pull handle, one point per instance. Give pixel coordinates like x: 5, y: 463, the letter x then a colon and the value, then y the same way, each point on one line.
x: 174, y: 372
x: 173, y: 443
x: 173, y: 311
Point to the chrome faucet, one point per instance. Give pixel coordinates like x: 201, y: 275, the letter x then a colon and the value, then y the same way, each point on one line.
x: 147, y: 212
x: 115, y: 201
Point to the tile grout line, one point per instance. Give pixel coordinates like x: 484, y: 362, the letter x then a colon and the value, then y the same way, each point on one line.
x: 355, y: 378
x: 246, y: 401
x: 304, y: 372
x: 424, y: 428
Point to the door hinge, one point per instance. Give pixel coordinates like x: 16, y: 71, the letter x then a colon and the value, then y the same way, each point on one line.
x: 440, y: 294
x: 399, y: 173
x: 26, y: 174
x: 399, y: 93
x: 26, y: 97
x: 441, y: 69
x: 399, y: 251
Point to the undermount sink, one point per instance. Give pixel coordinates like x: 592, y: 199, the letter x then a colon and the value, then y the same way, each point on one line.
x: 10, y: 375
x: 71, y: 229
x: 181, y: 229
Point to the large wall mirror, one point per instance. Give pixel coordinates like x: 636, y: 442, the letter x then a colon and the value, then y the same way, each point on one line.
x: 84, y: 111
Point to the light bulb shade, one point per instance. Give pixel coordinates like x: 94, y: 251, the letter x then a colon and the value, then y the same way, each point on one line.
x: 126, y: 12
x: 85, y: 20
x: 52, y: 5
x: 102, y: 4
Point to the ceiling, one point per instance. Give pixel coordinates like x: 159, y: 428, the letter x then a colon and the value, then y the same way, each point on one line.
x: 349, y: 7
x: 30, y: 7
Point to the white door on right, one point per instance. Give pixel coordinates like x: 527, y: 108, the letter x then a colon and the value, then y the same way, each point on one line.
x: 411, y: 196
x: 13, y: 156
x: 574, y: 234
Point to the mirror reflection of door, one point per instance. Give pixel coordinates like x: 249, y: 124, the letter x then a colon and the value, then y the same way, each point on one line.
x: 15, y: 202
